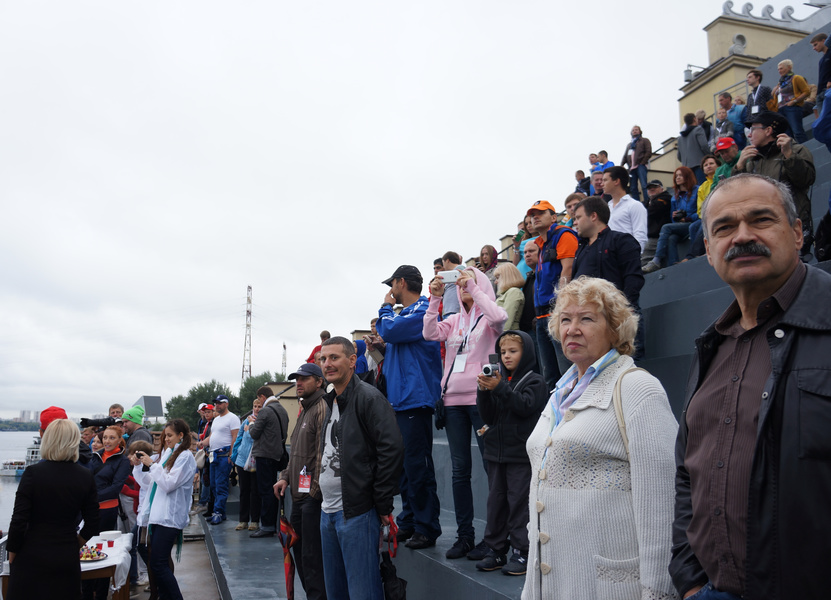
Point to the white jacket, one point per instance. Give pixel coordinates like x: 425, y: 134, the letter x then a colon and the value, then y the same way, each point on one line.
x: 174, y: 491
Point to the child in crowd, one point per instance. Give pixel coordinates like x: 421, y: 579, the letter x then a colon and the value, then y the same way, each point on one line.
x: 509, y: 403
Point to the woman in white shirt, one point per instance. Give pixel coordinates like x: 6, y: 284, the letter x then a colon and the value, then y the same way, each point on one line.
x: 170, y: 480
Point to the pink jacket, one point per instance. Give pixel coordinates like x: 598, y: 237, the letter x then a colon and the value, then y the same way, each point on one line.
x: 461, y: 391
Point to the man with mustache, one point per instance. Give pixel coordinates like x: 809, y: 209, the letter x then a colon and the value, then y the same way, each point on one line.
x: 753, y: 451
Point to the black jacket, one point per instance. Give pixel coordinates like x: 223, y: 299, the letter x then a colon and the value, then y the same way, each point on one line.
x: 788, y: 521
x: 512, y: 409
x: 371, y: 447
x: 270, y: 431
x: 111, y: 475
x: 658, y: 214
x: 617, y: 260
x: 528, y: 318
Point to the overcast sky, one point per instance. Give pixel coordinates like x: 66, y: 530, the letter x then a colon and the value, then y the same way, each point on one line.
x: 157, y: 158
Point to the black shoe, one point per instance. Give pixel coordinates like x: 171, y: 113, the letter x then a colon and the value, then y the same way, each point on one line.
x: 262, y: 533
x: 479, y: 551
x: 492, y: 562
x: 419, y: 541
x: 404, y: 534
x: 460, y: 548
x: 517, y: 565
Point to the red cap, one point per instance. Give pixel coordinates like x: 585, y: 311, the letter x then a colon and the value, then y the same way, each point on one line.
x: 51, y: 414
x: 541, y: 205
x: 210, y: 407
x: 725, y: 143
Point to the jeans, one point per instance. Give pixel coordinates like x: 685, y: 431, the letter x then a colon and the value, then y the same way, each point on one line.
x: 667, y: 252
x: 267, y: 475
x: 419, y: 500
x: 508, y: 488
x: 794, y: 116
x: 308, y: 555
x: 459, y: 422
x: 699, y: 174
x: 820, y: 100
x: 350, y: 555
x: 638, y: 174
x: 220, y: 471
x: 162, y: 540
x: 547, y: 355
x: 708, y: 592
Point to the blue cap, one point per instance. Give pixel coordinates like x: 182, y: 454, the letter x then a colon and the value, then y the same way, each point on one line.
x: 307, y: 370
x: 221, y: 398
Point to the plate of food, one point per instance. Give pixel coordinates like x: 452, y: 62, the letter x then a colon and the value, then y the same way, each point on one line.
x: 88, y: 554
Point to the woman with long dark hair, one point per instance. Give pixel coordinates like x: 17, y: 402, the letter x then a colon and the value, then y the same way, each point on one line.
x: 170, y: 477
x: 684, y: 209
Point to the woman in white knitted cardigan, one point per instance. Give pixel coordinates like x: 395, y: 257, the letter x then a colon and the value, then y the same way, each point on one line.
x: 602, y: 490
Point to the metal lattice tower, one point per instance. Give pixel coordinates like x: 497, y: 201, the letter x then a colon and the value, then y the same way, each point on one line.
x: 246, y: 353
x: 284, y: 360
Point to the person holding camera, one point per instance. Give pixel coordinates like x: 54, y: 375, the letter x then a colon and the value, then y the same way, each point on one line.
x: 170, y: 480
x: 509, y: 399
x: 469, y: 337
x: 684, y: 208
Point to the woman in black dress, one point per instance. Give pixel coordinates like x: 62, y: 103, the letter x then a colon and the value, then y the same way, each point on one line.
x: 43, y: 543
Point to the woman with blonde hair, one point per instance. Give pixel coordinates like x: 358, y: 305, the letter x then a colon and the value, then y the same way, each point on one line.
x: 43, y: 531
x: 509, y: 282
x: 602, y: 461
x: 790, y: 95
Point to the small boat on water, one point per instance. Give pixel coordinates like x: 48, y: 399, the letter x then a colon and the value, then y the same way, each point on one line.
x: 15, y: 468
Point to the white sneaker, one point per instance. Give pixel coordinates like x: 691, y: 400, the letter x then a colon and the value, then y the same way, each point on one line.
x: 143, y: 580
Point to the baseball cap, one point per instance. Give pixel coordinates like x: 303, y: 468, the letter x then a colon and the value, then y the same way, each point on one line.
x: 306, y: 370
x: 201, y: 406
x: 541, y: 205
x: 769, y: 119
x: 654, y: 183
x: 209, y: 407
x: 220, y: 398
x: 725, y: 143
x: 406, y: 272
x: 53, y: 413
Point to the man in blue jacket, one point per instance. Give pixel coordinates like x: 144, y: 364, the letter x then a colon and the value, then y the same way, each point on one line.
x: 412, y: 368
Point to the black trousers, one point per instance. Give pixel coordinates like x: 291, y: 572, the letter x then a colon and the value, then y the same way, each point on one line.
x: 267, y: 475
x: 308, y: 554
x: 508, y: 487
x: 249, y: 496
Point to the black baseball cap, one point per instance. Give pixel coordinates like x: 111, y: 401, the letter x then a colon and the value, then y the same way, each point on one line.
x: 306, y: 370
x: 406, y: 272
x: 769, y: 119
x: 654, y: 183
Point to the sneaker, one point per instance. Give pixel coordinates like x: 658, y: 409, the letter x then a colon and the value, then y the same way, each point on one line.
x: 517, y: 565
x: 143, y: 580
x: 492, y: 562
x: 479, y: 551
x: 253, y: 527
x: 651, y: 267
x: 460, y: 548
x: 199, y: 509
x: 217, y: 519
x: 241, y: 525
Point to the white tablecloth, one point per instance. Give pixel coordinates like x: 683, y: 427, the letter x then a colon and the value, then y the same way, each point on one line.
x: 118, y: 555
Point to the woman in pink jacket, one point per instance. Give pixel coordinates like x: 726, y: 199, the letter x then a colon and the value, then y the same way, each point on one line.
x: 470, y: 337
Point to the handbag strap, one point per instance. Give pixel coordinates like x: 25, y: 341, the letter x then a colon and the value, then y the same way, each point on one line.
x: 464, y: 343
x: 618, y: 404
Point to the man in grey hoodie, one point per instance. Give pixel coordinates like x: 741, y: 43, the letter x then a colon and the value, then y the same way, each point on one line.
x: 692, y: 146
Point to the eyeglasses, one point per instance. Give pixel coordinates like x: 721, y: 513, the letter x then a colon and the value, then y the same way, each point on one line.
x: 754, y: 128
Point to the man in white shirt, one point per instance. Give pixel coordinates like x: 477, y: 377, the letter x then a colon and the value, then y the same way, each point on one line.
x: 224, y: 430
x: 627, y: 214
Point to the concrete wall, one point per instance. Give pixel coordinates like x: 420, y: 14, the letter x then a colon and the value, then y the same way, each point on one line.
x: 761, y: 40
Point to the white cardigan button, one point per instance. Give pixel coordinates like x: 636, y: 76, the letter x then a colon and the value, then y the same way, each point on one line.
x: 545, y: 569
x: 540, y: 506
x: 542, y: 473
x: 568, y: 416
x: 544, y: 538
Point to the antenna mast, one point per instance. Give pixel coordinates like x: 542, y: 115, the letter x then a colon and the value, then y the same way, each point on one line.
x: 284, y: 360
x: 246, y: 353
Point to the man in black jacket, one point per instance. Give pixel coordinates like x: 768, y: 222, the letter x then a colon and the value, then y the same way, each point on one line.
x: 611, y: 255
x: 269, y: 431
x: 753, y: 478
x: 361, y: 462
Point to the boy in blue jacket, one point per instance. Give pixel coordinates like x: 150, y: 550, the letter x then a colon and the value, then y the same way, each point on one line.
x: 510, y: 403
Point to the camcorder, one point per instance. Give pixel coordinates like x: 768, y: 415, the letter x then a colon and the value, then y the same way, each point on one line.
x: 492, y: 368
